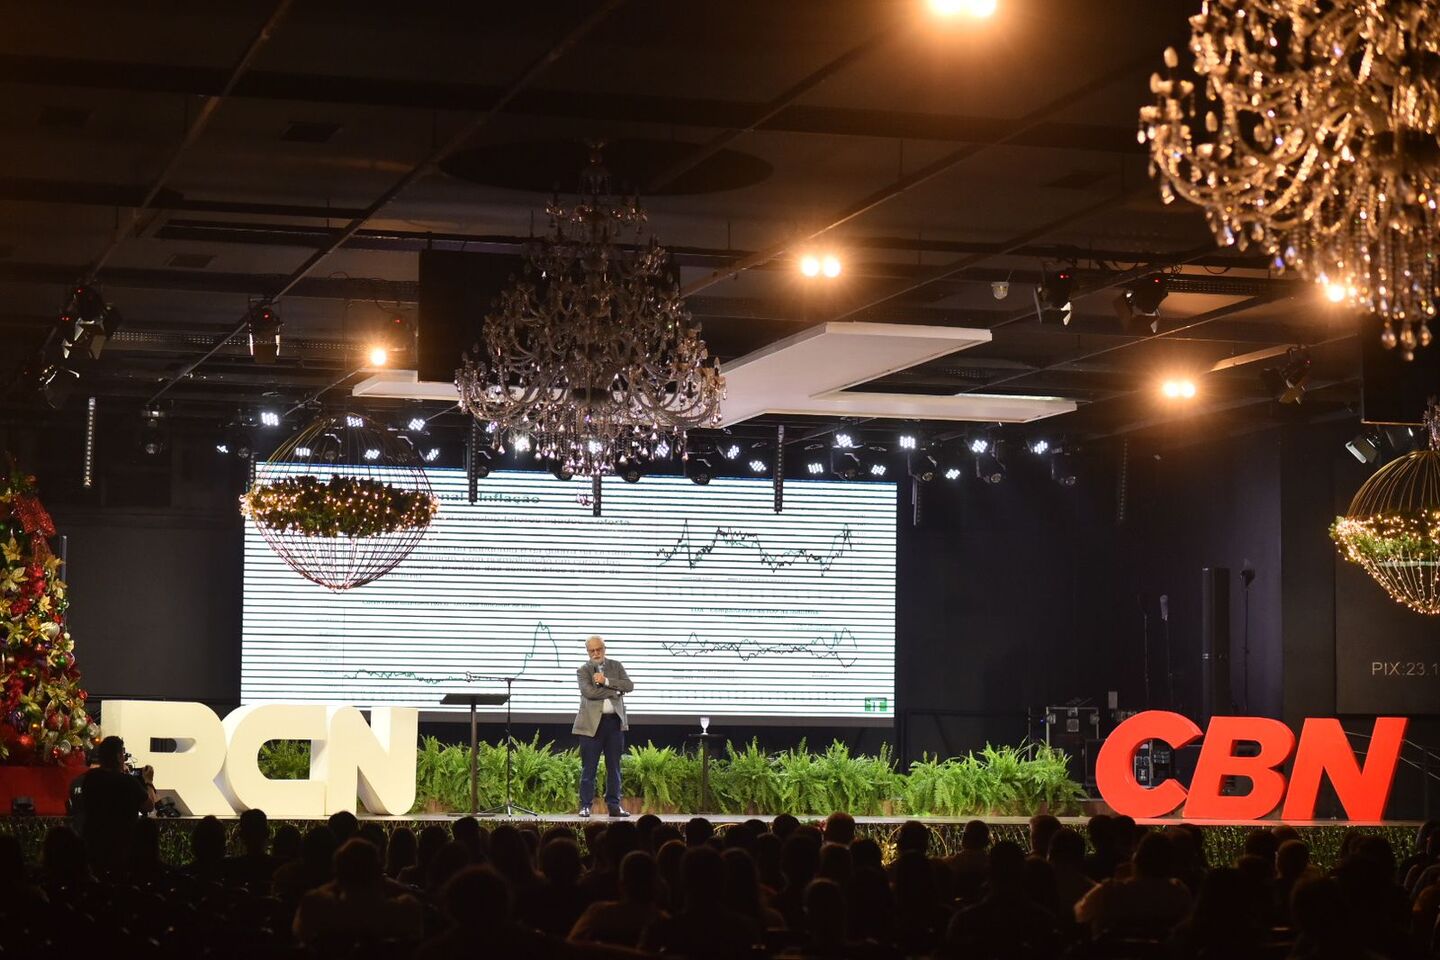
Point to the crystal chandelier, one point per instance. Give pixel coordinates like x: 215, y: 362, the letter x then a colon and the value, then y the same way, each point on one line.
x: 591, y: 354
x: 1309, y: 130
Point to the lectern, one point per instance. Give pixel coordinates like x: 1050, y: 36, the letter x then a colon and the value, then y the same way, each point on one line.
x: 474, y: 700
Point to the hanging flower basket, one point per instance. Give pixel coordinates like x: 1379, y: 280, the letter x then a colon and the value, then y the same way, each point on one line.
x: 343, y: 502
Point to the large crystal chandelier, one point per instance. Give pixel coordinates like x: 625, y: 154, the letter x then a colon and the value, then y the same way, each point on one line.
x: 1309, y: 130
x: 591, y: 354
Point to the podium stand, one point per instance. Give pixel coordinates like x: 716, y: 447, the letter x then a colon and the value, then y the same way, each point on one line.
x: 472, y: 700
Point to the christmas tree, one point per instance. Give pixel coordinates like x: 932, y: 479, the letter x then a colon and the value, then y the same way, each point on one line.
x: 42, y: 708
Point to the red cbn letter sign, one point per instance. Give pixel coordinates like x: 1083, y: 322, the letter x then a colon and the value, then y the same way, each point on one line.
x: 1323, y: 751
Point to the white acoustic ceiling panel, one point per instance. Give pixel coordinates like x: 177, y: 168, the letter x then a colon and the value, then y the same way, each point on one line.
x: 809, y: 373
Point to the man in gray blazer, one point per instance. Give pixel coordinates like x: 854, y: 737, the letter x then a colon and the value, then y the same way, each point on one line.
x: 601, y: 724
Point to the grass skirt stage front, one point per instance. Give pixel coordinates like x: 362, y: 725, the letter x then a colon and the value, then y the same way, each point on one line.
x: 1223, y: 841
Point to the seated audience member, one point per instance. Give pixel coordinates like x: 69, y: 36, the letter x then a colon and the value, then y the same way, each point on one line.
x: 1067, y: 858
x: 427, y: 845
x: 145, y: 863
x: 1043, y: 828
x: 253, y: 867
x: 1292, y: 866
x: 1259, y: 875
x: 873, y: 919
x: 921, y: 915
x: 784, y: 825
x: 1228, y: 920
x: 452, y: 857
x: 1005, y: 921
x: 1325, y: 923
x: 1262, y: 843
x: 286, y: 844
x: 767, y: 862
x: 466, y: 830
x: 839, y: 828
x: 698, y: 831
x: 111, y: 800
x: 667, y: 864
x: 972, y: 860
x: 17, y: 893
x: 399, y: 852
x: 1382, y: 911
x: 478, y: 903
x: 207, y: 851
x: 836, y: 864
x: 912, y: 836
x: 742, y: 890
x: 510, y: 855
x: 865, y: 854
x: 603, y: 880
x: 1425, y: 854
x: 1150, y: 901
x: 343, y: 825
x: 317, y: 859
x: 554, y: 904
x: 354, y: 906
x: 704, y: 927
x: 799, y: 859
x: 621, y: 922
x: 1189, y: 862
x: 62, y: 859
x: 825, y: 914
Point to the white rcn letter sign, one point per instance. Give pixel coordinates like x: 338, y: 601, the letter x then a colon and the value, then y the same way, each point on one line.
x: 216, y: 770
x: 189, y: 774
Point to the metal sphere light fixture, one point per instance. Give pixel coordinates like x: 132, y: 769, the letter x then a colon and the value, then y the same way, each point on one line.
x: 343, y: 502
x: 1392, y: 529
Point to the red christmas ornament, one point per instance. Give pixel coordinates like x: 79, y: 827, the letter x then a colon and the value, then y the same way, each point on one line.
x: 25, y: 741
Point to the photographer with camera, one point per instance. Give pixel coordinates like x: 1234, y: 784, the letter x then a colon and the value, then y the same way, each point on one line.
x: 112, y: 797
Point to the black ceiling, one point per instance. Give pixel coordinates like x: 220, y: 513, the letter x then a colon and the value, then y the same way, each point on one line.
x: 209, y: 155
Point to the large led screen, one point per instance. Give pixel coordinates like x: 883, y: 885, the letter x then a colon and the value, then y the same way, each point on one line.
x: 717, y: 605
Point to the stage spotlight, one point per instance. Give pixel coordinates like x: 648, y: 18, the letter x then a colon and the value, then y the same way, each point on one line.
x: 372, y: 453
x: 978, y: 445
x: 730, y: 451
x: 416, y: 424
x: 1401, y: 438
x: 1286, y: 383
x: 758, y: 466
x: 844, y: 440
x: 814, y: 468
x: 269, y: 418
x: 1143, y: 298
x: 153, y: 441
x: 989, y: 468
x: 631, y: 472
x: 1053, y: 293
x: 1000, y: 289
x: 830, y: 266
x: 662, y: 450
x: 909, y: 441
x: 264, y: 326
x: 845, y: 465
x: 87, y: 323
x: 952, y: 473
x: 1062, y: 469
x: 431, y: 455
x: 222, y: 447
x: 699, y: 470
x: 1365, y: 447
x: 56, y: 384
x: 353, y: 421
x: 922, y: 467
x: 1039, y: 447
x: 237, y: 441
x: 810, y: 265
x: 1178, y: 389
x: 303, y: 452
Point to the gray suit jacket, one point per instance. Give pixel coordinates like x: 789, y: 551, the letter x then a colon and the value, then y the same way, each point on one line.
x: 592, y: 695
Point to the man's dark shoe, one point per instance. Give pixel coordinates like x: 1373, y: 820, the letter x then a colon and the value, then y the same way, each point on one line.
x: 584, y: 813
x: 619, y: 812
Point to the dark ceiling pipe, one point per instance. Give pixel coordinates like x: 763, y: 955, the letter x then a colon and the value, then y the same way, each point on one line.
x: 926, y: 173
x: 192, y: 136
x: 530, y: 74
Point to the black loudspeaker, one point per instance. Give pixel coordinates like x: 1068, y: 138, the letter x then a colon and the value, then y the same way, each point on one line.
x: 1393, y: 389
x: 457, y: 290
x: 1214, y: 643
